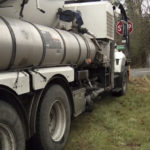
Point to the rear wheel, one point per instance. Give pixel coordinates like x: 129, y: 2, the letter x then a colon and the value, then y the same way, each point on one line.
x: 11, y: 131
x: 124, y: 84
x: 53, y: 124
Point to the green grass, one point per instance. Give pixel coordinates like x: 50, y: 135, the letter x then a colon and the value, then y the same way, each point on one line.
x: 117, y: 123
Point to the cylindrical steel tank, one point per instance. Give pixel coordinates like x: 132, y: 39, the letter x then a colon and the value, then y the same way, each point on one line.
x: 23, y: 44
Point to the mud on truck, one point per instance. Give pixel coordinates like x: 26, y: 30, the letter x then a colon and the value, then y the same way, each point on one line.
x: 56, y: 58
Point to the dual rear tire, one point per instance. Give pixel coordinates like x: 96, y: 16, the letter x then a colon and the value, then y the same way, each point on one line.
x: 11, y: 129
x: 53, y: 123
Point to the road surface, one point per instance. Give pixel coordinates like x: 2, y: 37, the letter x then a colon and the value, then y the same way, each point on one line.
x: 140, y: 72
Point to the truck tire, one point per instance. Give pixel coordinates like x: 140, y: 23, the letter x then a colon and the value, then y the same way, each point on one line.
x: 54, y: 117
x: 11, y: 130
x: 121, y: 85
x: 124, y: 83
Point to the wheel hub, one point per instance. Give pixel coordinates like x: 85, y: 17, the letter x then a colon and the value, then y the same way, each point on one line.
x: 57, y: 123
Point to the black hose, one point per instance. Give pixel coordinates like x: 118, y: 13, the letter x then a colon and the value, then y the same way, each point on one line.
x: 22, y: 7
x: 123, y: 12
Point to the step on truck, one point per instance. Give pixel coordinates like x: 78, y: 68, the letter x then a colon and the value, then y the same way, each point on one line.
x: 56, y: 58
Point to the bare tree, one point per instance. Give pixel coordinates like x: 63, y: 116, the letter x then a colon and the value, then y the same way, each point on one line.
x: 139, y: 13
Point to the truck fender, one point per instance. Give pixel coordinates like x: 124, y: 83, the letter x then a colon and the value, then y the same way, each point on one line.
x: 57, y: 79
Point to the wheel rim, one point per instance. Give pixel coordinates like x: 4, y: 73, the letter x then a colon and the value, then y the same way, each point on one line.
x: 7, y: 139
x: 57, y: 124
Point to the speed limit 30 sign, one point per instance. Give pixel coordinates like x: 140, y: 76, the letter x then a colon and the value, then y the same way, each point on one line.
x: 119, y: 27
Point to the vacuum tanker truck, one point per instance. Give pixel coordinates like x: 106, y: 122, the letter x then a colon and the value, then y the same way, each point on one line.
x: 56, y: 58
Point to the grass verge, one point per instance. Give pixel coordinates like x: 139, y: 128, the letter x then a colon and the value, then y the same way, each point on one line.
x: 117, y: 123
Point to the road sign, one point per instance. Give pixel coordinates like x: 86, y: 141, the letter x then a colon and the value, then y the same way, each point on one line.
x: 120, y: 47
x: 130, y: 26
x: 119, y: 27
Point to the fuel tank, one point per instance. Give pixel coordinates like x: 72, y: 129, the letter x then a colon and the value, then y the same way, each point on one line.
x: 23, y: 45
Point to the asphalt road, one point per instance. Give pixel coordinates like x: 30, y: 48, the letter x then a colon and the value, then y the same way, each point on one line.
x: 140, y: 72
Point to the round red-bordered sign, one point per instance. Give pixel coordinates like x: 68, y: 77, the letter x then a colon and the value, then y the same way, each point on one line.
x: 119, y: 27
x: 130, y: 26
